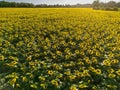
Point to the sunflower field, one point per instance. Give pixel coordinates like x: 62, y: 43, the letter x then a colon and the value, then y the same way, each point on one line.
x: 59, y: 49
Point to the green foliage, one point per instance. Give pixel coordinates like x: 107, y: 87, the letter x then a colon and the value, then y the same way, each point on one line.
x: 14, y: 4
x: 112, y: 9
x: 109, y: 6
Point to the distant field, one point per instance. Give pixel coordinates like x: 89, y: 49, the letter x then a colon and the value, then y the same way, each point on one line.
x: 59, y: 49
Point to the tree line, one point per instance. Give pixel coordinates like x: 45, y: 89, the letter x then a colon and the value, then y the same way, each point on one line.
x: 15, y: 4
x: 111, y: 5
x: 96, y: 5
x: 22, y: 4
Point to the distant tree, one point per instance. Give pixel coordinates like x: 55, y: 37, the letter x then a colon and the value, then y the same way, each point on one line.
x: 118, y: 4
x: 96, y: 4
x: 111, y: 4
x: 102, y: 4
x: 14, y: 4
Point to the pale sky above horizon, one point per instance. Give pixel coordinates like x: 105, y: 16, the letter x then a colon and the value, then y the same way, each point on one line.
x: 59, y: 1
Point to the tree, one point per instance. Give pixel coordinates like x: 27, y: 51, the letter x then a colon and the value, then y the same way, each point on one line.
x: 118, y: 4
x: 102, y: 4
x: 111, y: 4
x: 96, y: 4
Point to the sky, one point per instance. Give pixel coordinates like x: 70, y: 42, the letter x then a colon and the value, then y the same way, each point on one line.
x: 58, y: 1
